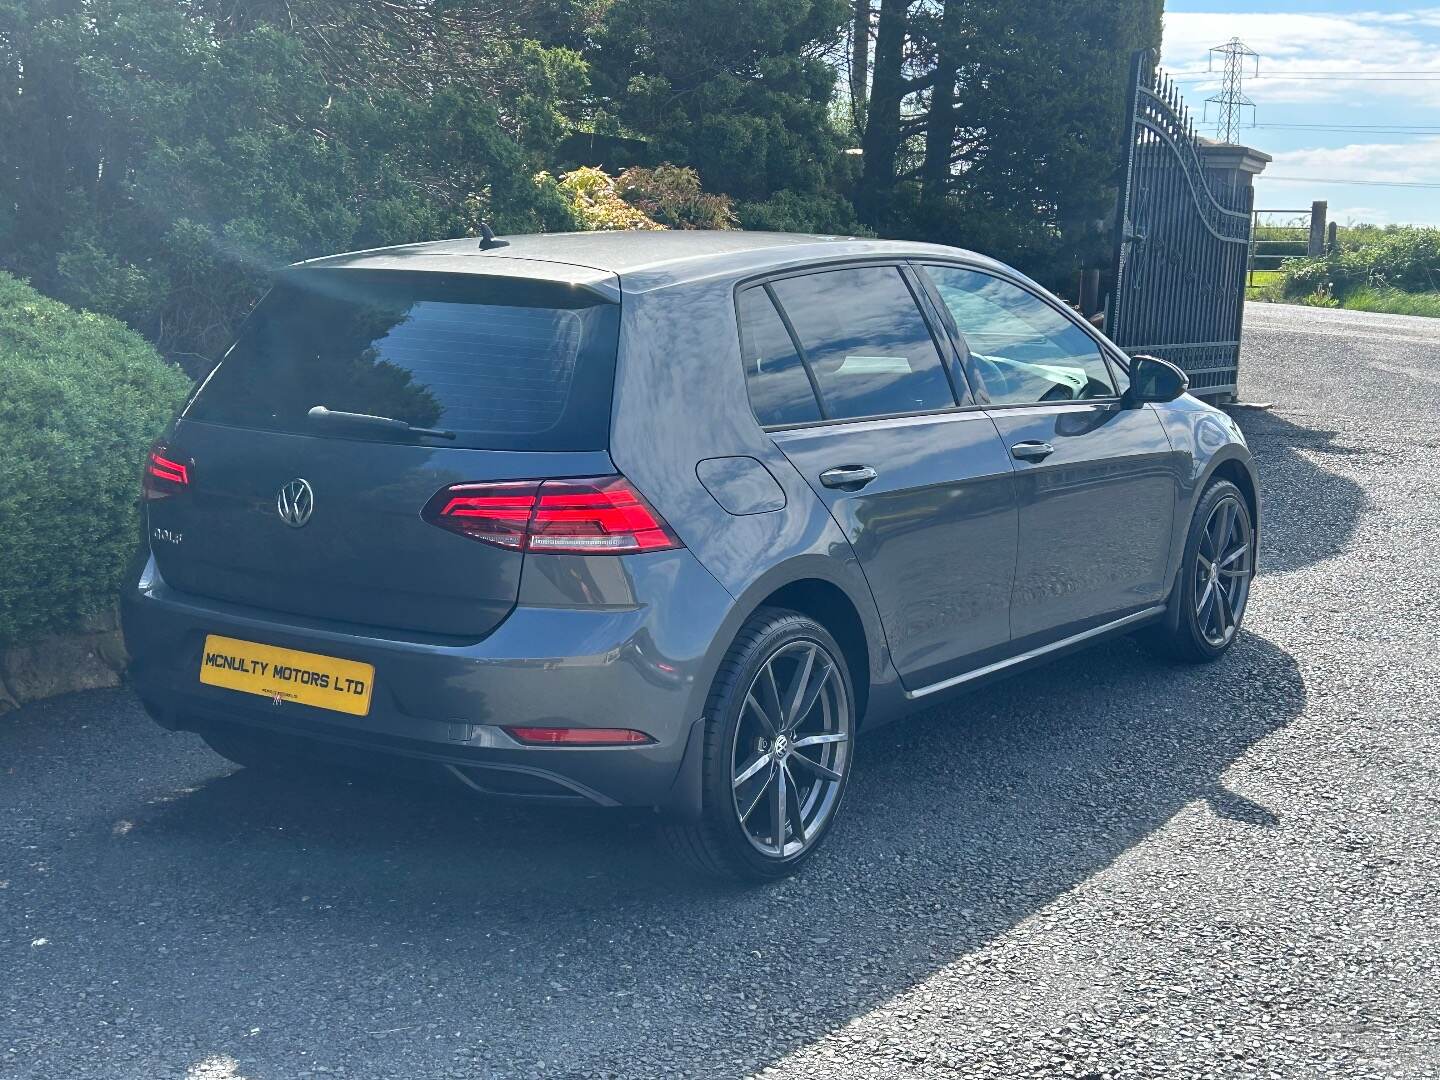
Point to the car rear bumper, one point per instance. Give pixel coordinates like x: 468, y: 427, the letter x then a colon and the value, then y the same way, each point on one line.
x: 642, y: 663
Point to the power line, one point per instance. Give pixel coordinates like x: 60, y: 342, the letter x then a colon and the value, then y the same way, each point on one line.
x: 1354, y: 71
x: 1358, y: 183
x: 1356, y: 127
x: 1281, y: 76
x: 1372, y: 129
x: 1199, y: 73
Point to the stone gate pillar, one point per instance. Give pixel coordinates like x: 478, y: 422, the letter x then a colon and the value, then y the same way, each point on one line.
x: 1231, y: 170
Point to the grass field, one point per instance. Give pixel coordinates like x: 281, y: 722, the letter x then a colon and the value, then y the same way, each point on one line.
x: 1394, y: 302
x: 1383, y: 300
x: 1258, y: 279
x: 1394, y: 270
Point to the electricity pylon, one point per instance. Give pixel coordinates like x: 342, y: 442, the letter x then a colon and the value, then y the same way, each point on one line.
x: 1231, y: 99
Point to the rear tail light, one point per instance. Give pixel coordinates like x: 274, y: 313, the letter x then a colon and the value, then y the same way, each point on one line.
x: 163, y: 475
x: 575, y: 736
x: 598, y: 516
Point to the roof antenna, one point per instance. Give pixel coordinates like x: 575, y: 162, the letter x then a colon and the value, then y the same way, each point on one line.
x: 487, y: 237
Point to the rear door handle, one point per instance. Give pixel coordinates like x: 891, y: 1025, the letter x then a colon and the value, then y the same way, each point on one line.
x: 848, y: 477
x: 1031, y: 451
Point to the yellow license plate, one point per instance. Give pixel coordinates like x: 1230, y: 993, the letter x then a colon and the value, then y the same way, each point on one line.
x: 287, y: 675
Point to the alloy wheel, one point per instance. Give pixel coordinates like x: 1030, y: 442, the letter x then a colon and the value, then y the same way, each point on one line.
x: 1224, y: 565
x: 791, y: 749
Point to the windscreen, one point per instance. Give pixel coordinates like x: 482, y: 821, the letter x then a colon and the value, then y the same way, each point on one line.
x: 501, y: 363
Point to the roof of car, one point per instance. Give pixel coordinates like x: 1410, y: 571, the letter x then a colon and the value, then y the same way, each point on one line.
x: 645, y: 260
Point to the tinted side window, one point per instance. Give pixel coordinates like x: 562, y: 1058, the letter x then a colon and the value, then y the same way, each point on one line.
x: 866, y: 342
x: 780, y: 391
x: 1021, y: 349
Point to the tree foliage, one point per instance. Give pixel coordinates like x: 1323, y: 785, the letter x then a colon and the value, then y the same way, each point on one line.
x: 739, y: 92
x: 997, y: 125
x: 158, y: 158
x: 671, y: 195
x: 666, y: 197
x: 160, y: 161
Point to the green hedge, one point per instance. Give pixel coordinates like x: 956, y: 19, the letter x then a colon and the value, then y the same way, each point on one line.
x: 1401, y: 257
x: 81, y: 396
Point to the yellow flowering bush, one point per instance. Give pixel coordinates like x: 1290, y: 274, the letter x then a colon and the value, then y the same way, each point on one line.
x: 596, y: 203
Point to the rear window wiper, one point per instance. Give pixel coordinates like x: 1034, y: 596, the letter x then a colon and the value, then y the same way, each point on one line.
x: 382, y: 423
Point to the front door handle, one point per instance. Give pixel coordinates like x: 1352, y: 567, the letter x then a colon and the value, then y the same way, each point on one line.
x: 1031, y: 451
x: 848, y: 477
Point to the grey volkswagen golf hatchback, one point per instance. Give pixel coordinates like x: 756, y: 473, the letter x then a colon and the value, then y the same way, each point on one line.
x: 664, y: 519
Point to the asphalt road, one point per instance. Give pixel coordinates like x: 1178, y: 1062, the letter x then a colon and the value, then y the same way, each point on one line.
x: 1111, y: 868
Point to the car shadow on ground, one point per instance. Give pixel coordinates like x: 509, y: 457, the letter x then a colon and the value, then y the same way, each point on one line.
x: 1309, y: 513
x: 326, y: 914
x: 304, y: 890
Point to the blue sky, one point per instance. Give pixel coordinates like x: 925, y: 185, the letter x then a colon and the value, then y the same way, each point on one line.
x: 1364, y: 80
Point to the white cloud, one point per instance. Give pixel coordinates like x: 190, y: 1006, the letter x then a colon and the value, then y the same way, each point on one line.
x: 1403, y: 163
x: 1361, y: 215
x: 1379, y: 42
x: 1296, y: 177
x: 1423, y: 17
x: 1357, y: 43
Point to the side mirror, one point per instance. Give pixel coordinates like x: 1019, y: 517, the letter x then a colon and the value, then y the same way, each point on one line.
x: 1154, y: 380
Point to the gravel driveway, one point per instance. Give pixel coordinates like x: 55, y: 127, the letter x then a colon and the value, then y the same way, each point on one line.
x: 1109, y: 868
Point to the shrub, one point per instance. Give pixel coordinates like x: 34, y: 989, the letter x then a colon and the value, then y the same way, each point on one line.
x: 665, y: 197
x: 791, y: 211
x: 596, y: 204
x: 1304, y: 276
x: 1320, y: 298
x: 1405, y: 258
x: 672, y: 196
x: 81, y: 396
x: 167, y: 156
x: 1267, y: 287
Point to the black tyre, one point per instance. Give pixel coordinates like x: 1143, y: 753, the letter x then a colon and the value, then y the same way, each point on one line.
x: 1208, y: 602
x: 779, y: 739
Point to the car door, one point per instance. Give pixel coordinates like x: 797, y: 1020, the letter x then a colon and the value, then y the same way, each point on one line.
x: 845, y: 370
x: 1095, y: 480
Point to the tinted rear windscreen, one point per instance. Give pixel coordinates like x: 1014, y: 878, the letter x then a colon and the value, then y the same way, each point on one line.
x: 504, y: 364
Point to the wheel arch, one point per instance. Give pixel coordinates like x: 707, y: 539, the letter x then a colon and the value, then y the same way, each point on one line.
x: 1240, y: 471
x: 833, y: 593
x: 1233, y: 470
x: 832, y: 608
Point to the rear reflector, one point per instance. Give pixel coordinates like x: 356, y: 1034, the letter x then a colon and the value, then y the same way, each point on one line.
x: 162, y: 476
x: 574, y: 736
x: 599, y: 516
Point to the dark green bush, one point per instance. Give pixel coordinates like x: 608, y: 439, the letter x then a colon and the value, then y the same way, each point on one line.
x: 81, y: 396
x: 1303, y: 276
x: 790, y: 211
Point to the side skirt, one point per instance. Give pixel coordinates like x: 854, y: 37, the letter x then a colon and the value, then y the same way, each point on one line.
x: 1038, y: 653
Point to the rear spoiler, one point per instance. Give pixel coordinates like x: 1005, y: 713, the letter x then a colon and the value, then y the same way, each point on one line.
x: 474, y: 261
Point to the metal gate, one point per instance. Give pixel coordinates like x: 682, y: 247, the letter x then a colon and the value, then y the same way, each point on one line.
x: 1299, y: 233
x: 1182, y: 242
